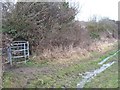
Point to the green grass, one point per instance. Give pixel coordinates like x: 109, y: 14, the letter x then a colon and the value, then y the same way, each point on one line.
x: 107, y: 79
x: 8, y: 77
x: 31, y: 63
x: 61, y: 76
x: 12, y: 80
x: 114, y: 58
x: 108, y: 54
x: 68, y: 76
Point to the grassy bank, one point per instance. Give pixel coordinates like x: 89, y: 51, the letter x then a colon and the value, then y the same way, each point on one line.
x: 53, y: 74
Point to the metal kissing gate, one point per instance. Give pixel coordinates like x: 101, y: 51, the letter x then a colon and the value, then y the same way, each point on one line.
x: 18, y: 51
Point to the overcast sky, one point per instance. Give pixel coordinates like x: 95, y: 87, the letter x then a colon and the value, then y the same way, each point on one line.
x: 100, y: 8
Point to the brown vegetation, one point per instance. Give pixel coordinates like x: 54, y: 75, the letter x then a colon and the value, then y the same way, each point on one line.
x: 52, y: 31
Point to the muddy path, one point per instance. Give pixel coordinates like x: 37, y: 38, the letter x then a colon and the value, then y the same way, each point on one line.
x: 87, y: 76
x: 90, y: 75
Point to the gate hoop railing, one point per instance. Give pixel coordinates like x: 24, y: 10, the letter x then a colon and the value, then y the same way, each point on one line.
x: 17, y: 50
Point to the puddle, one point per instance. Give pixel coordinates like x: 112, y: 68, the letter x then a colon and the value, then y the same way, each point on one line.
x: 104, y: 60
x: 89, y: 75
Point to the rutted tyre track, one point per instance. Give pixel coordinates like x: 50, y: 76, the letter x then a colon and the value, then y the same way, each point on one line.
x: 89, y: 75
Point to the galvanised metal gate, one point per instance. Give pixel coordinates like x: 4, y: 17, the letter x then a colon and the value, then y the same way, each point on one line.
x: 18, y: 51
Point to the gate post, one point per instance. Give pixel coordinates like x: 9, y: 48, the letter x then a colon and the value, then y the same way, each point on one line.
x: 25, y: 52
x: 9, y: 55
